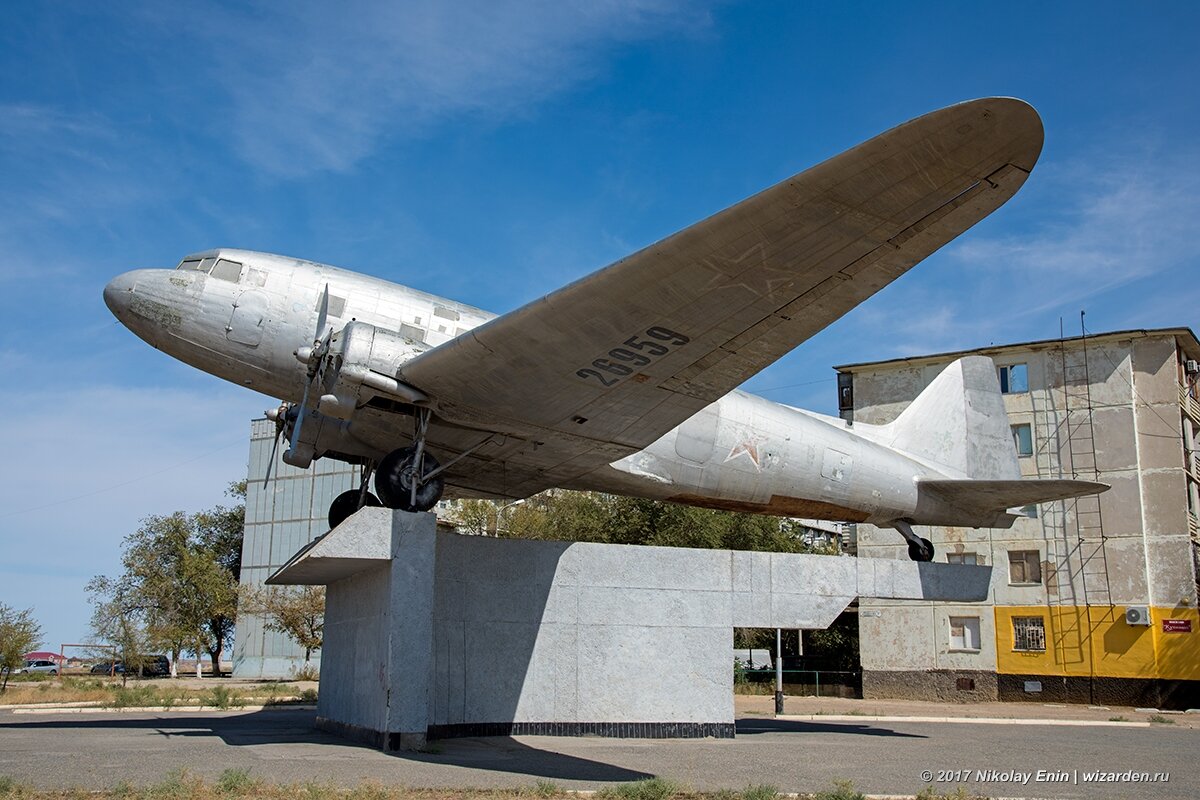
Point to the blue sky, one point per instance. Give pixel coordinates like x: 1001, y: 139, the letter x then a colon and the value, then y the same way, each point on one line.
x: 492, y: 151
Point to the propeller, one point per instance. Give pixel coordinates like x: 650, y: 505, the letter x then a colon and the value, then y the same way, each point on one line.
x: 313, y: 356
x: 279, y: 417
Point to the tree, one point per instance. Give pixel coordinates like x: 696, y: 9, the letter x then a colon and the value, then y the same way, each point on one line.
x: 179, y: 585
x: 219, y: 534
x: 594, y: 517
x: 19, y: 633
x: 476, y: 517
x: 296, y: 612
x: 119, y: 618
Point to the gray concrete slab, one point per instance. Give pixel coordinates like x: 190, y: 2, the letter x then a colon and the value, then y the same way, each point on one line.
x: 100, y: 750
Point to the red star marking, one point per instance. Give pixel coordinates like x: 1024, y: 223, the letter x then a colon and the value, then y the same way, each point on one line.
x: 747, y: 446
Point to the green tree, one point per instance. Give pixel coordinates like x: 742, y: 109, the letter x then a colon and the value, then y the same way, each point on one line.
x: 477, y: 517
x: 119, y: 618
x: 219, y: 535
x: 19, y: 633
x: 594, y: 517
x: 179, y: 585
x: 295, y: 612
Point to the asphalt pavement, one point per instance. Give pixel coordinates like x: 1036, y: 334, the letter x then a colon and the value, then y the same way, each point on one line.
x: 99, y: 750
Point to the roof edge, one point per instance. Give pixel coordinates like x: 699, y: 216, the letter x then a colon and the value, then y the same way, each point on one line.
x: 1191, y: 346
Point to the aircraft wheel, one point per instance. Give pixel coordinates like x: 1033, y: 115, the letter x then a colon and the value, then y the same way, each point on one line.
x: 923, y: 552
x: 394, y: 479
x: 346, y: 504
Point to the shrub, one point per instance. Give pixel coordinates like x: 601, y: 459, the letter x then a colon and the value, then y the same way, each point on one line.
x: 649, y: 789
x: 761, y: 792
x: 236, y: 780
x: 842, y: 790
x: 306, y: 672
x: 223, y: 697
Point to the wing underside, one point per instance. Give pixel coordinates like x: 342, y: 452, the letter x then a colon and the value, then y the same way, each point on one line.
x: 606, y: 365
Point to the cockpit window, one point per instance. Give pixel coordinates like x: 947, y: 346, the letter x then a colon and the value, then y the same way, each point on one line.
x: 227, y: 270
x: 221, y: 268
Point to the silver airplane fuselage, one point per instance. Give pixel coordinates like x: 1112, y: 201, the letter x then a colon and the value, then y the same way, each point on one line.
x: 240, y: 315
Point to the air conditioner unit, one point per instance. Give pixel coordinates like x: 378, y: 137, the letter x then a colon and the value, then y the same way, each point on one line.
x: 1137, y: 615
x: 1191, y: 366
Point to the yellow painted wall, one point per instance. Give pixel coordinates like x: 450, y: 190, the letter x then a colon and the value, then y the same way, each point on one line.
x: 1095, y: 640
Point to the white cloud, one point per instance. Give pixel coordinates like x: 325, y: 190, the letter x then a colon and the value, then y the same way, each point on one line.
x: 1107, y: 226
x: 1121, y: 219
x: 318, y: 88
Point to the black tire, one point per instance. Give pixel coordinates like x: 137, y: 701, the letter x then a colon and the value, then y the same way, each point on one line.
x: 346, y: 504
x: 922, y: 552
x: 393, y: 481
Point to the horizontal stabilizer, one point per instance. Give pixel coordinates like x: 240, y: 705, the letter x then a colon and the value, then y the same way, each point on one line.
x: 997, y: 496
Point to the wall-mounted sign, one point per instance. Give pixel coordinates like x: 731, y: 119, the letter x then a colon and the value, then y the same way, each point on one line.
x: 1177, y: 626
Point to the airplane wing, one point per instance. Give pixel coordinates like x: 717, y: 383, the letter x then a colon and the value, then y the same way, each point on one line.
x: 608, y: 364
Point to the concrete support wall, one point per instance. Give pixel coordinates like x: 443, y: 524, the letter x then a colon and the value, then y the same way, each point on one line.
x: 438, y: 634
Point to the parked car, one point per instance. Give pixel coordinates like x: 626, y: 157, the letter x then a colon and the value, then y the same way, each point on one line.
x: 40, y: 666
x: 156, y: 666
x: 108, y: 668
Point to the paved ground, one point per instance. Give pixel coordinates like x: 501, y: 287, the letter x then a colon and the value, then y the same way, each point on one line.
x: 100, y: 750
x: 758, y: 705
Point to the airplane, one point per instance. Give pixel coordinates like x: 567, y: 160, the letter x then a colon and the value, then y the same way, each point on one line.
x: 625, y: 381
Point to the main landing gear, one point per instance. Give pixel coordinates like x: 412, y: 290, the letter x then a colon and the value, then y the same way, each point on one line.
x: 919, y: 548
x: 409, y: 479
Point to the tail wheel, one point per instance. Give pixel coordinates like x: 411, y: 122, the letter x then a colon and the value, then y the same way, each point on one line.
x: 922, y: 551
x: 394, y: 479
x: 346, y: 504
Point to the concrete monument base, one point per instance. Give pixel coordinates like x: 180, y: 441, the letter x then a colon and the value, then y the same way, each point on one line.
x: 432, y: 635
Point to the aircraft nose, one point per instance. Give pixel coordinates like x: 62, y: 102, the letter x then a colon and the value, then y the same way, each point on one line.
x: 119, y: 293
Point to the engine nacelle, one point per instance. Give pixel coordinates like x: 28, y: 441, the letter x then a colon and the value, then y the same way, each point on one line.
x: 362, y: 363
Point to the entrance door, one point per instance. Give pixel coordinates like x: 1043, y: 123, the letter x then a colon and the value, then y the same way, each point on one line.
x: 249, y: 315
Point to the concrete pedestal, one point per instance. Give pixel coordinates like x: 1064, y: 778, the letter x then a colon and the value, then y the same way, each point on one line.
x: 433, y: 634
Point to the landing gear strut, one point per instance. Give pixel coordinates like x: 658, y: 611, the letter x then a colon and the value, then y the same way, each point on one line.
x: 409, y: 479
x: 919, y: 548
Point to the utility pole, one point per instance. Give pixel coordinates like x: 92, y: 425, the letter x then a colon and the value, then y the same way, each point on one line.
x: 778, y: 672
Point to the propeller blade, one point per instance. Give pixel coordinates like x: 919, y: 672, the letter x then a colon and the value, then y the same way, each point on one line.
x: 303, y: 411
x: 322, y: 316
x: 274, y: 450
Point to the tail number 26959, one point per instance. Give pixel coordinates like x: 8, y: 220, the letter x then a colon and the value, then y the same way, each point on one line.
x: 636, y: 352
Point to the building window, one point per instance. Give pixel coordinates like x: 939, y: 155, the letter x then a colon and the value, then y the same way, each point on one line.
x: 964, y: 633
x: 1023, y: 438
x: 1029, y: 633
x: 1024, y: 566
x: 1014, y: 379
x: 962, y: 558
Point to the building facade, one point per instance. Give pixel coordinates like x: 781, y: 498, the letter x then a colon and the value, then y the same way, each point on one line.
x: 1093, y: 599
x: 282, y: 516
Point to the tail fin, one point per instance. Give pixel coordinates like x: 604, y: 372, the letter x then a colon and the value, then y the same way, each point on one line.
x: 958, y: 425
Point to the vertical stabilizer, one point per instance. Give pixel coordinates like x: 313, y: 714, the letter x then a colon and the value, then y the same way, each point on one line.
x: 958, y: 425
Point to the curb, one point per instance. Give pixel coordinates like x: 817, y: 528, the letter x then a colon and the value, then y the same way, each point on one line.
x: 966, y: 720
x: 159, y: 709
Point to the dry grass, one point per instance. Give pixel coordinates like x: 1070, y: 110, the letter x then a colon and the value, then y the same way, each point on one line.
x: 110, y: 693
x: 240, y: 784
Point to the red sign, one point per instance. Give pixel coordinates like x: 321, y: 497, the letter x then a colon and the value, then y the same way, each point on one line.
x: 1177, y: 626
